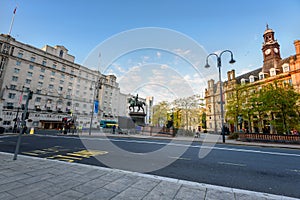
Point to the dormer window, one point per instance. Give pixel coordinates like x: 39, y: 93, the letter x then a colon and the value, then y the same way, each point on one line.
x: 272, y: 72
x: 243, y: 81
x: 285, y: 67
x: 61, y: 53
x: 261, y: 75
x: 251, y: 79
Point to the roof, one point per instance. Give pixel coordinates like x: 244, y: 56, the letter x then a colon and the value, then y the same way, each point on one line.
x: 246, y: 76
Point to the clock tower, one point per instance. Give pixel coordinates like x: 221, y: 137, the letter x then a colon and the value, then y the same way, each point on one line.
x: 271, y: 51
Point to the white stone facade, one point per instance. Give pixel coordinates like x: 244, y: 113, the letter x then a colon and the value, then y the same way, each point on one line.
x: 60, y: 87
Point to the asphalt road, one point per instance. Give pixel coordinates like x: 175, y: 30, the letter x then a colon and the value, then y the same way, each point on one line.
x: 270, y: 170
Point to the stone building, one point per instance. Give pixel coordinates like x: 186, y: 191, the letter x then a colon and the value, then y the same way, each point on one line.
x: 274, y: 68
x: 61, y: 88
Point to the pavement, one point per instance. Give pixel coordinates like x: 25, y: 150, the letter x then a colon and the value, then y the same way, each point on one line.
x: 32, y: 178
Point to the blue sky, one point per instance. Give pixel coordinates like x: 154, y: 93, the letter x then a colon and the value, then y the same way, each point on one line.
x: 82, y: 25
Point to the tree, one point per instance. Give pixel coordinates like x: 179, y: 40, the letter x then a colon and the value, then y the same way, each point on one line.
x: 190, y: 110
x: 281, y: 102
x: 160, y: 113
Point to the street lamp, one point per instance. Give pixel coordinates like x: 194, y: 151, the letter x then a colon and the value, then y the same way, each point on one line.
x: 98, y: 85
x: 219, y: 64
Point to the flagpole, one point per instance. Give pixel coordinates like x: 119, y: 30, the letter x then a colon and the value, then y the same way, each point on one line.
x: 12, y: 21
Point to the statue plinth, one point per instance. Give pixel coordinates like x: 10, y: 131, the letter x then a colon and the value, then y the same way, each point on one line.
x: 138, y: 118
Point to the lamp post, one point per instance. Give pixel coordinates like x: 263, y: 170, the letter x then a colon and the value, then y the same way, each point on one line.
x: 98, y: 85
x: 219, y: 64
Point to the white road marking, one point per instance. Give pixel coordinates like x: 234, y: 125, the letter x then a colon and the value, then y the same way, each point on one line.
x: 234, y: 164
x: 179, y: 158
x: 181, y: 145
x: 295, y: 170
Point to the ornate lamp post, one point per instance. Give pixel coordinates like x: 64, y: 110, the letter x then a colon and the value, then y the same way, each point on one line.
x: 219, y: 64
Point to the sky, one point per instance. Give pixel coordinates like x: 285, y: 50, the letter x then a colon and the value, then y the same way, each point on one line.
x: 156, y: 46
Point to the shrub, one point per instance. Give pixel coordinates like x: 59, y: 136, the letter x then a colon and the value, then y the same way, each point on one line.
x: 234, y: 135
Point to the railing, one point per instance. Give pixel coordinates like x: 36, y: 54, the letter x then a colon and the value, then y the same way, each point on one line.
x: 256, y: 137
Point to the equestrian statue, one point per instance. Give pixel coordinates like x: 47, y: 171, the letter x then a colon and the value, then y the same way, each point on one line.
x: 135, y: 102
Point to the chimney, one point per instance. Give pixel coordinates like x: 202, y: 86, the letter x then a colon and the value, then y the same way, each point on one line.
x: 297, y: 46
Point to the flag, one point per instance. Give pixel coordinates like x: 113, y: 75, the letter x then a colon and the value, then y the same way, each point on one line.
x: 15, y: 10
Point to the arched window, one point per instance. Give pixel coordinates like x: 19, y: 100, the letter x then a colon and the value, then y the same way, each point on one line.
x: 61, y: 53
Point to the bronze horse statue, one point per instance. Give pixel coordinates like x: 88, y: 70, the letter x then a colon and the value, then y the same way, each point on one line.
x: 136, y: 103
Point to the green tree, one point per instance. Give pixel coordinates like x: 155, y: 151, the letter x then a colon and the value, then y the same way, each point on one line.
x: 281, y: 102
x: 190, y: 110
x: 160, y: 113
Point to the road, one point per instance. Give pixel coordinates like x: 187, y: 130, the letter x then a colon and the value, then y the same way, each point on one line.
x: 261, y: 169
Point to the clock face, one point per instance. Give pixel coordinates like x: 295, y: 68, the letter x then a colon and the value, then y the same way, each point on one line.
x: 275, y: 50
x: 268, y: 51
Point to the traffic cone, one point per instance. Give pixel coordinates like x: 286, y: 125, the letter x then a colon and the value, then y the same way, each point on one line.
x: 31, y: 131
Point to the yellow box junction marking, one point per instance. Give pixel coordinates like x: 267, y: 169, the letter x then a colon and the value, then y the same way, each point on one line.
x: 69, y: 157
x: 79, y: 155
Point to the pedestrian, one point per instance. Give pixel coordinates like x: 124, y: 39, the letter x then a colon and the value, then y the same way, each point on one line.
x: 114, y: 129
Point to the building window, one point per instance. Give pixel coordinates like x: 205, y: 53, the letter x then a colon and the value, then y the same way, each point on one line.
x: 72, y: 71
x: 38, y: 99
x: 14, y: 78
x: 31, y: 67
x: 16, y: 70
x: 38, y: 91
x: 27, y: 81
x: 54, y: 66
x: 20, y: 55
x: 13, y: 87
x: 60, y: 88
x: 61, y: 81
x: 44, y: 63
x: 61, y: 53
x: 42, y: 70
x: 11, y: 95
x: 51, y: 86
x: 285, y: 67
x: 41, y: 77
x: 70, y: 84
x: 63, y: 69
x: 272, y: 72
x: 290, y: 82
x: 243, y: 81
x: 29, y: 74
x: 251, y: 79
x: 40, y: 84
x: 261, y: 75
x: 32, y: 59
x: 62, y: 76
x: 52, y: 79
x: 52, y: 73
x: 10, y: 104
x: 18, y: 63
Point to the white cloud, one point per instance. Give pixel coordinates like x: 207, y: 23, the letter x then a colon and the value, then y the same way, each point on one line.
x: 182, y: 52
